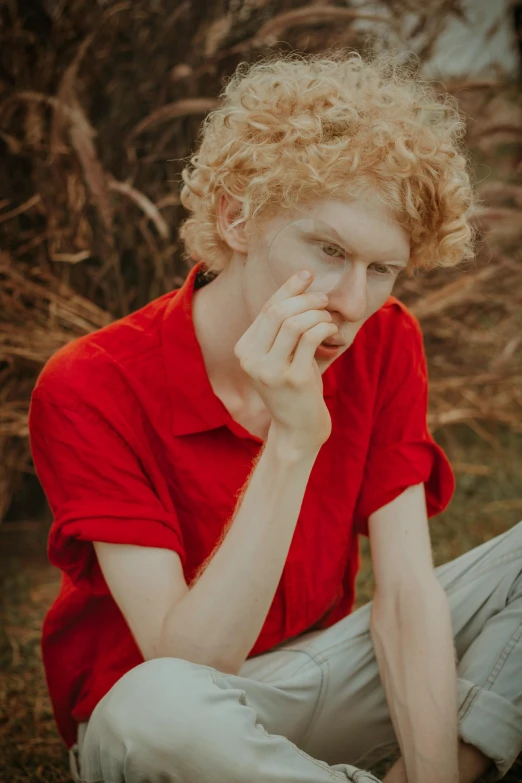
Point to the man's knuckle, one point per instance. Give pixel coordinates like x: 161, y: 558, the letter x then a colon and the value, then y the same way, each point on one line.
x: 309, y: 336
x: 294, y: 381
x: 246, y: 365
x: 291, y: 325
x: 267, y: 377
x: 271, y: 308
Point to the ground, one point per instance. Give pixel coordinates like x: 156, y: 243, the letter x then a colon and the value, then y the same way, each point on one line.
x: 488, y: 501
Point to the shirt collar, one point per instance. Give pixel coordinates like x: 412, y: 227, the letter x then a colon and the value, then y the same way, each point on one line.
x: 195, y: 406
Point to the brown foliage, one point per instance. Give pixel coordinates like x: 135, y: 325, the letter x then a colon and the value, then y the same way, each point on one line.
x: 99, y: 108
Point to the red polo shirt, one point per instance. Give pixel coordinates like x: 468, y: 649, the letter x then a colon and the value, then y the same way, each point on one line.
x: 132, y: 446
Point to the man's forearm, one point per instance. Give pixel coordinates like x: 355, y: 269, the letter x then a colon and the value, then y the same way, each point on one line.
x: 414, y: 647
x: 219, y: 619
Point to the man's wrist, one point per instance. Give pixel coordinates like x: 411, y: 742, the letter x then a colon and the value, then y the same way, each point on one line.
x: 291, y: 447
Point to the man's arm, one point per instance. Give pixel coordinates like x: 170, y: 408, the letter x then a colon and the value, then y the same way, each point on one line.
x: 217, y: 621
x: 413, y: 640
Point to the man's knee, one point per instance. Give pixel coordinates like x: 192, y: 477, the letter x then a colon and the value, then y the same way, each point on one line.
x: 161, y: 695
x: 153, y: 709
x: 163, y: 715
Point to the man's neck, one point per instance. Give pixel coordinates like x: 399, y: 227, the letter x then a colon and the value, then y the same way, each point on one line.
x: 220, y: 319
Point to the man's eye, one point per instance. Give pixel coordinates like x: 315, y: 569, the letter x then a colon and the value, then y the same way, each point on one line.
x: 383, y: 269
x: 332, y: 250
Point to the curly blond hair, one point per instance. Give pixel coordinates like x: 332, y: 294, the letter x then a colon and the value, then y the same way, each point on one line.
x: 296, y: 128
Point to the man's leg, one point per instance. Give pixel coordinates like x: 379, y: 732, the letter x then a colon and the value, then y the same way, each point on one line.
x: 309, y: 709
x: 171, y: 721
x: 484, y: 589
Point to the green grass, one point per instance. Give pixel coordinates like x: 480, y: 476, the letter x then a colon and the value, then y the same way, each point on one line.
x: 30, y: 748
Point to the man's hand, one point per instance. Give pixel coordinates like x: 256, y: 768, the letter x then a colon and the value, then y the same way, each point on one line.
x: 277, y: 352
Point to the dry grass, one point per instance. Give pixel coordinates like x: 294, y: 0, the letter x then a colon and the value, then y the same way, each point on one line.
x: 89, y: 222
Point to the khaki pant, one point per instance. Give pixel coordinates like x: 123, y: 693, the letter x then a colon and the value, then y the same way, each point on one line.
x: 313, y: 709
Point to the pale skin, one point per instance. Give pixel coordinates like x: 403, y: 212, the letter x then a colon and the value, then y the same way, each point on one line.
x: 248, y: 349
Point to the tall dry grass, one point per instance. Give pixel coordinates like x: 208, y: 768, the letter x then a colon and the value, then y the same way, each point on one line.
x: 99, y: 105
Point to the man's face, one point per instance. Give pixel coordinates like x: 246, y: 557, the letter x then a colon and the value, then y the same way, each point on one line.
x: 373, y: 246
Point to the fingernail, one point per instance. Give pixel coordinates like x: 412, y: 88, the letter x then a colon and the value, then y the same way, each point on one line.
x: 305, y: 275
x: 323, y: 297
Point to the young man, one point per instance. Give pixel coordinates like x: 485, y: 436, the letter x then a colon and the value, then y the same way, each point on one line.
x: 210, y: 464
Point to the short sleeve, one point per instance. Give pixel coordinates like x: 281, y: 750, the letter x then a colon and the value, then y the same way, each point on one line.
x: 97, y: 489
x: 402, y: 451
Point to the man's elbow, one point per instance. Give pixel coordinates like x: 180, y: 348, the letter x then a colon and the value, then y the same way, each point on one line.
x: 186, y: 649
x: 401, y: 602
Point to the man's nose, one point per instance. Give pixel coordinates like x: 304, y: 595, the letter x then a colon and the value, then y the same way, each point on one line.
x: 349, y: 295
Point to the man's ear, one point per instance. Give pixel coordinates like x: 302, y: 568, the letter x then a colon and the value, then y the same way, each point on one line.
x: 229, y: 209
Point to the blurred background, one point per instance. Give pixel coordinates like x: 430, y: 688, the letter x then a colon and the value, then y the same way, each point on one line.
x: 100, y: 105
